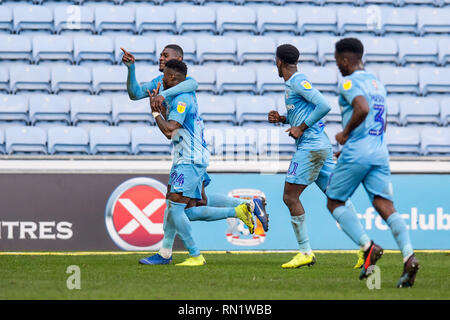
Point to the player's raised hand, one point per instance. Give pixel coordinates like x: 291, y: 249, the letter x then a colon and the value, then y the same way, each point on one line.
x: 127, y: 58
x: 274, y: 116
x: 151, y: 96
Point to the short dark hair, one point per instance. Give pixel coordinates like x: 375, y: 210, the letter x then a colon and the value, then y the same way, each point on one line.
x: 178, y: 66
x: 288, y: 53
x: 177, y: 49
x: 352, y: 45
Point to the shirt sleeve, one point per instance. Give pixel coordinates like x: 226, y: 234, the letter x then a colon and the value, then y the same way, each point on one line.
x: 186, y: 86
x: 138, y: 91
x: 178, y: 110
x: 349, y: 90
x: 312, y: 95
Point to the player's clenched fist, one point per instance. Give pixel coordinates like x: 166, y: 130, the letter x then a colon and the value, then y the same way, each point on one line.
x: 127, y: 58
x: 274, y: 116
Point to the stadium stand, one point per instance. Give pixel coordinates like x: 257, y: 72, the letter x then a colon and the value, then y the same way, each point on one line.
x: 67, y: 140
x: 25, y: 140
x: 109, y: 140
x: 70, y: 51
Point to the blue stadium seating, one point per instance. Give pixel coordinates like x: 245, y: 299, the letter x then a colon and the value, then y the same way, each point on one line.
x: 126, y: 111
x: 435, y: 141
x: 268, y: 80
x: 233, y: 18
x: 205, y: 77
x: 276, y: 19
x: 417, y: 50
x: 398, y: 20
x: 253, y: 109
x: 71, y: 78
x: 354, y: 20
x: 403, y: 141
x: 49, y: 108
x: 392, y: 111
x: 25, y: 140
x: 185, y: 42
x: 306, y: 45
x: 29, y: 78
x: 419, y: 110
x: 142, y: 48
x: 93, y: 48
x: 114, y: 18
x: 236, y: 141
x: 109, y: 78
x: 334, y: 115
x: 30, y: 17
x: 323, y: 78
x: 275, y: 142
x: 399, y: 80
x: 235, y: 79
x: 72, y: 18
x: 6, y: 19
x: 4, y: 79
x: 90, y: 109
x: 434, y: 80
x: 216, y: 48
x: 195, y: 18
x: 445, y: 111
x: 155, y: 19
x: 216, y: 108
x: 380, y: 50
x: 325, y: 49
x: 15, y: 47
x: 444, y: 51
x: 14, y: 109
x: 255, y: 49
x: 67, y: 140
x: 433, y: 21
x: 316, y: 19
x: 53, y: 48
x: 109, y: 140
x: 149, y: 141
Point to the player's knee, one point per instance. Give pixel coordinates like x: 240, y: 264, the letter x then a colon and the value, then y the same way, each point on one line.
x: 332, y: 204
x: 289, y: 200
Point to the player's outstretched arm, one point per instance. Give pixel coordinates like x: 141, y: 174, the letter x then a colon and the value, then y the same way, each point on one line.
x: 186, y: 86
x: 314, y: 96
x: 360, y: 111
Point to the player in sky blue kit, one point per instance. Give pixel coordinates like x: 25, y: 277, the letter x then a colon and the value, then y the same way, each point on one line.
x: 312, y: 162
x: 364, y: 158
x: 138, y: 91
x: 182, y: 124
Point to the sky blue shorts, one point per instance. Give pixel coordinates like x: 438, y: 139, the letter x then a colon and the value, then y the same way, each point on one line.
x: 308, y: 166
x: 346, y: 178
x: 187, y: 179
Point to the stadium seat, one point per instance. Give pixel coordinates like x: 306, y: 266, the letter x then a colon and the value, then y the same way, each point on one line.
x: 6, y: 20
x: 435, y: 141
x: 142, y: 48
x: 29, y: 78
x: 32, y: 18
x: 281, y: 105
x: 67, y: 140
x: 93, y: 48
x: 109, y: 140
x: 417, y: 50
x: 185, y: 42
x: 125, y: 110
x: 216, y: 108
x: 15, y: 47
x: 90, y: 109
x: 53, y: 48
x: 155, y: 19
x: 195, y: 18
x: 403, y: 141
x: 255, y: 49
x: 402, y: 3
x: 380, y: 50
x: 71, y: 78
x: 419, y: 110
x: 392, y: 111
x: 434, y: 80
x: 433, y: 21
x: 109, y: 78
x: 146, y: 73
x: 205, y: 77
x: 276, y: 19
x: 49, y: 108
x: 306, y: 45
x: 444, y: 51
x: 149, y: 141
x: 316, y: 19
x: 398, y: 20
x: 250, y: 109
x: 234, y: 18
x: 268, y: 80
x: 399, y: 80
x: 4, y: 79
x: 275, y: 141
x: 235, y: 79
x: 356, y: 20
x: 445, y: 111
x: 326, y: 47
x: 14, y: 109
x: 323, y: 79
x: 29, y: 140
x: 334, y: 115
x: 216, y: 48
x: 114, y: 18
x: 68, y: 19
x: 240, y: 141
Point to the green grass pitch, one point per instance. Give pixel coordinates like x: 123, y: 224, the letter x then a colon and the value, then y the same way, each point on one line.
x: 226, y: 276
